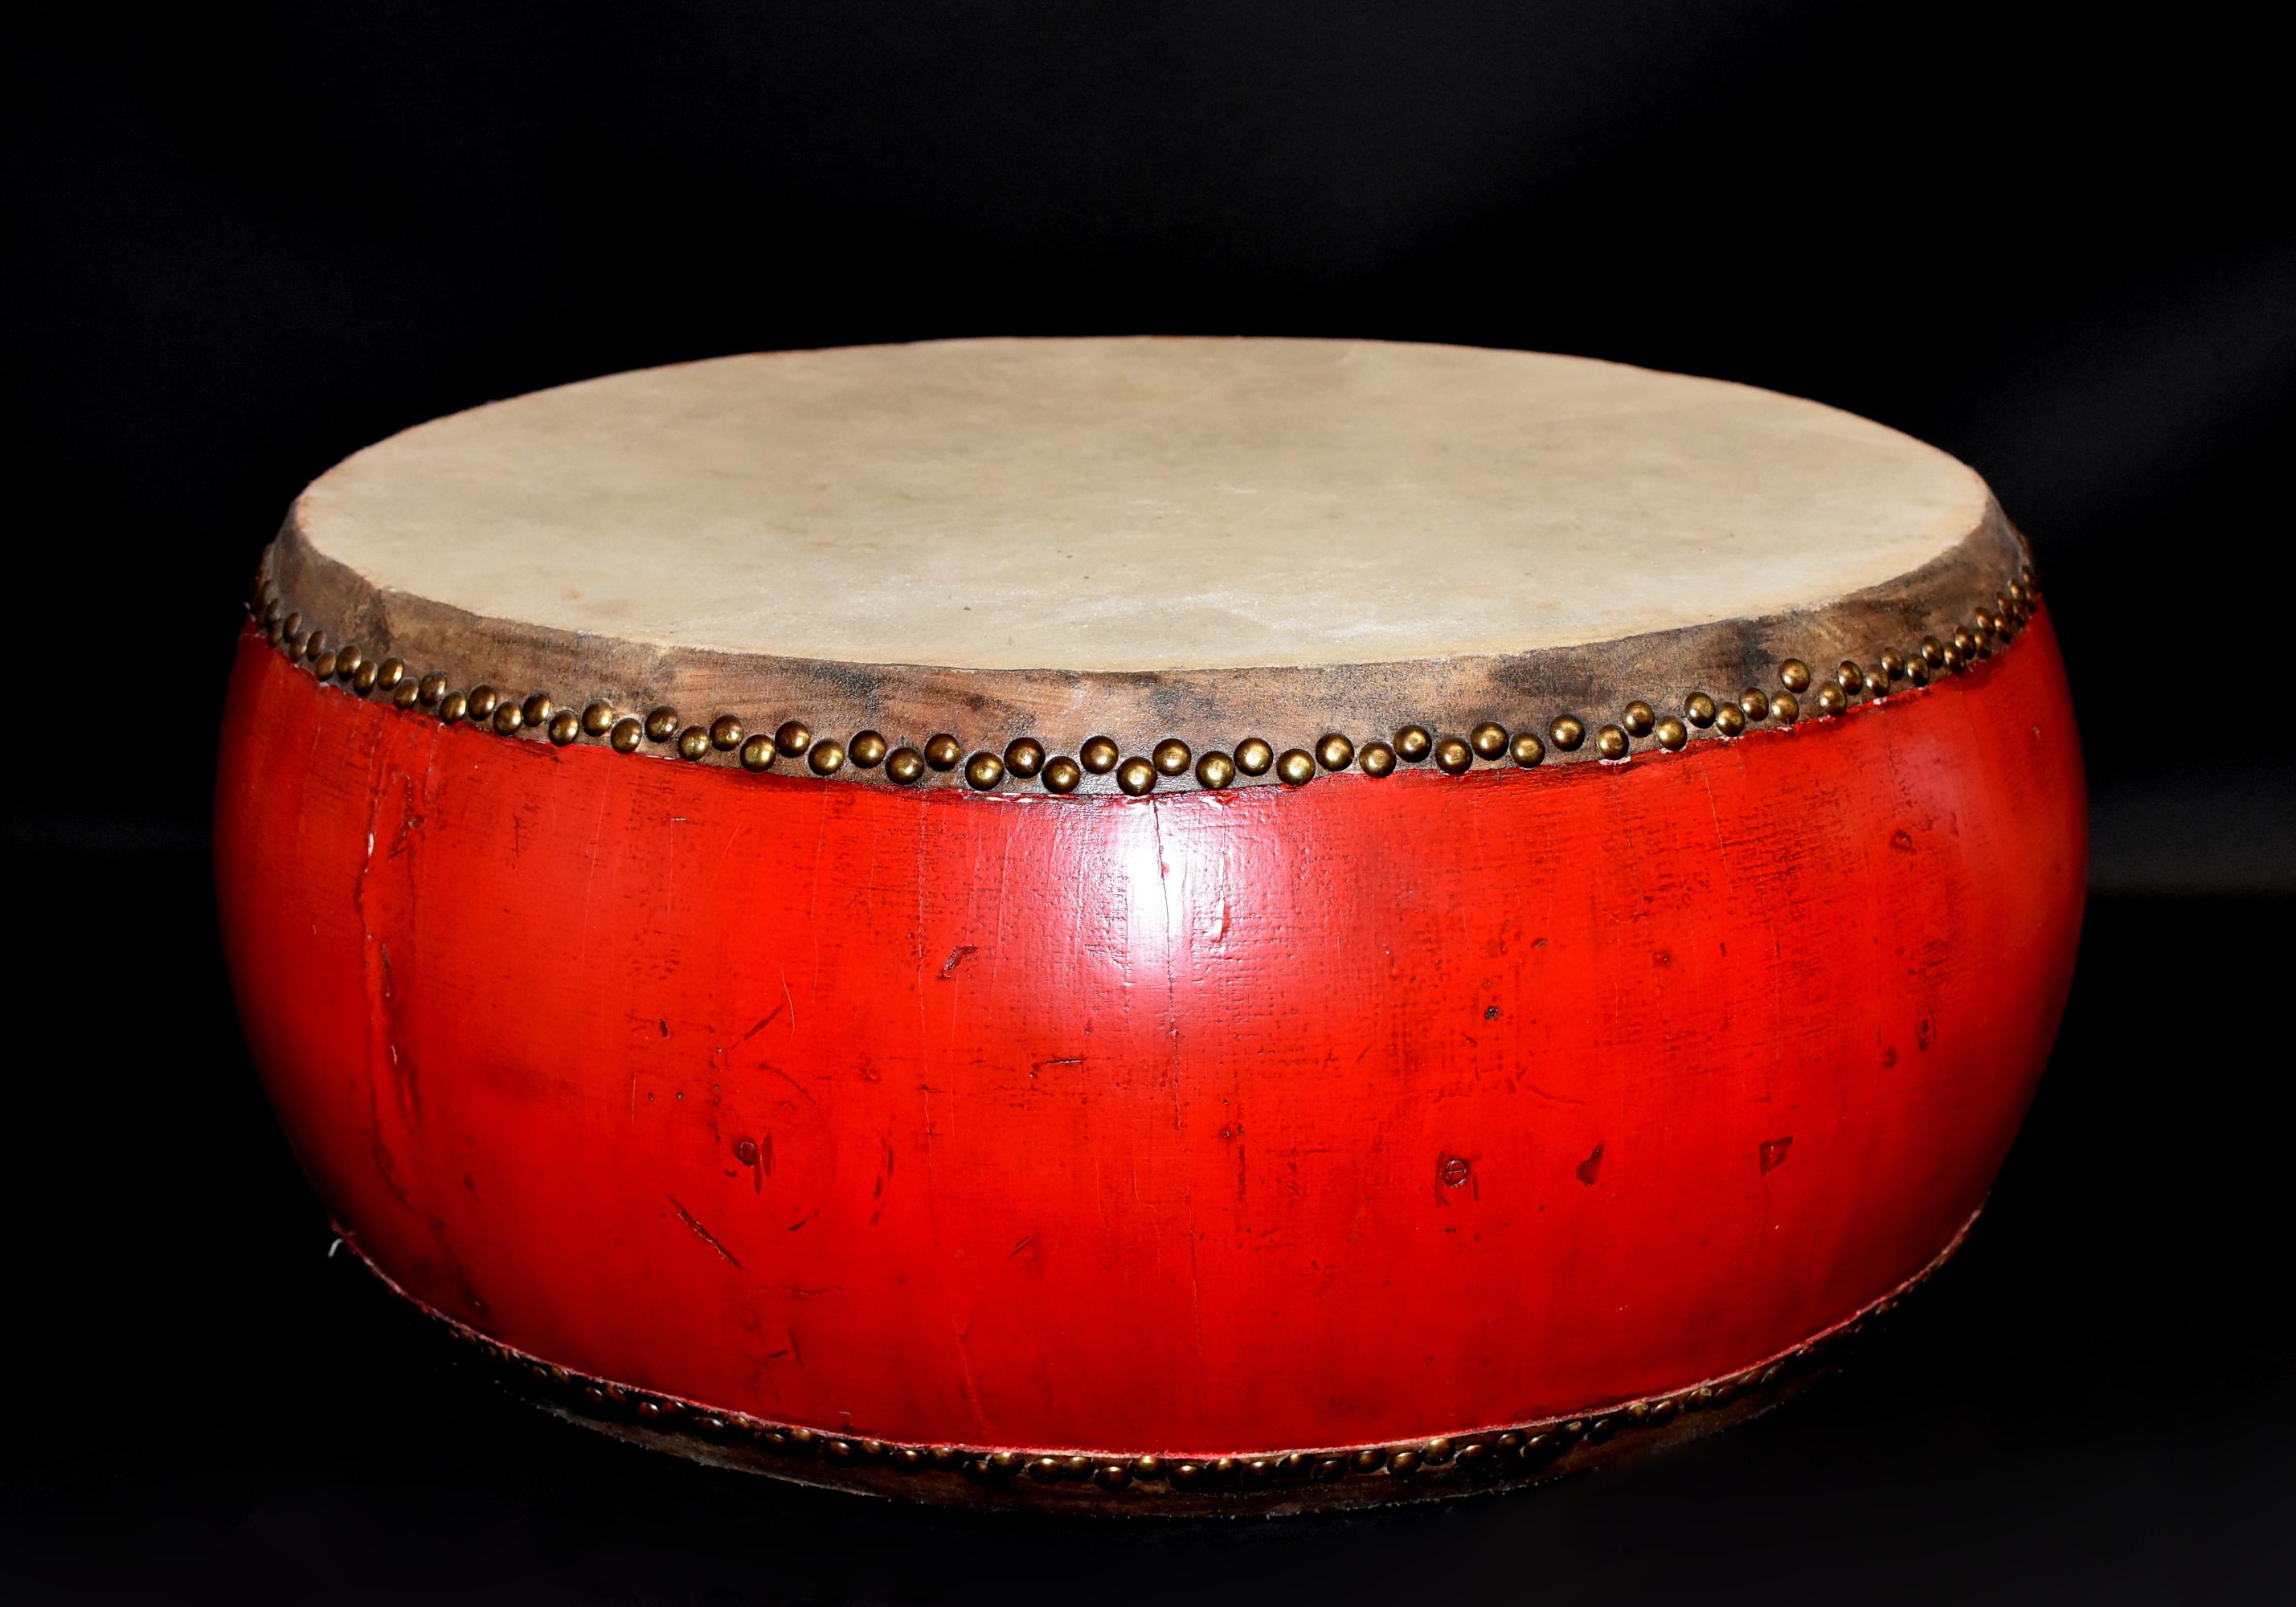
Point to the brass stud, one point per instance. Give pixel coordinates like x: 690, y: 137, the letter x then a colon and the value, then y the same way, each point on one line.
x: 1730, y: 720
x: 508, y: 718
x: 693, y: 743
x: 983, y: 771
x: 1376, y: 760
x: 1698, y: 709
x: 314, y: 644
x: 1786, y: 708
x: 757, y: 752
x: 1831, y: 698
x: 1849, y: 677
x: 564, y: 726
x: 431, y: 688
x: 625, y: 735
x: 1171, y: 757
x: 1917, y: 671
x: 1295, y: 767
x: 943, y: 751
x: 1403, y: 1463
x: 1754, y: 704
x: 1334, y: 751
x: 794, y: 738
x: 725, y: 733
x: 1253, y: 756
x: 1566, y: 734
x: 537, y: 710
x: 1215, y: 770
x: 1610, y: 742
x: 866, y: 749
x: 1454, y: 757
x: 390, y: 674
x: 1527, y: 750
x: 1024, y: 756
x: 1965, y: 642
x: 1098, y: 755
x: 1671, y: 733
x: 1062, y: 774
x: 364, y: 679
x: 407, y: 696
x: 597, y: 718
x: 662, y: 724
x: 483, y: 699
x: 1137, y: 776
x: 453, y: 706
x: 1793, y: 675
x: 827, y: 756
x: 347, y: 659
x: 292, y: 625
x: 1147, y: 1467
x: 904, y: 767
x: 1875, y: 686
x: 1113, y: 1476
x: 1488, y: 740
x: 1893, y: 664
x: 1951, y: 659
x: 1932, y: 652
x: 324, y: 666
x: 1413, y: 743
x: 1638, y: 717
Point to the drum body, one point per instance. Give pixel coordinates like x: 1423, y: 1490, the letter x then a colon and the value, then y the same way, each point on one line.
x: 1269, y: 1146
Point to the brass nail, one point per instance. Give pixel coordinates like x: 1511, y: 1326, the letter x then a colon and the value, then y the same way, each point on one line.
x: 1024, y: 756
x: 537, y: 710
x: 1413, y: 743
x: 1754, y: 704
x: 943, y: 751
x: 758, y: 752
x: 904, y: 767
x: 348, y: 660
x: 508, y: 718
x: 1488, y: 740
x: 625, y: 735
x: 1671, y: 733
x: 1215, y: 770
x: 1638, y: 717
x: 390, y: 674
x: 794, y: 738
x: 431, y: 688
x: 662, y: 724
x: 1295, y: 767
x: 1137, y: 776
x: 1567, y: 733
x: 1831, y: 698
x: 1376, y: 760
x: 453, y: 706
x: 483, y: 699
x: 1453, y: 756
x: 866, y: 749
x: 1786, y: 708
x: 1334, y: 751
x: 983, y: 771
x: 1527, y: 750
x: 1610, y: 742
x: 564, y: 726
x: 1171, y: 757
x: 693, y: 743
x: 598, y: 719
x: 725, y: 733
x: 1730, y: 720
x: 826, y: 758
x: 1793, y: 675
x: 1253, y: 756
x: 1098, y: 755
x: 1062, y: 774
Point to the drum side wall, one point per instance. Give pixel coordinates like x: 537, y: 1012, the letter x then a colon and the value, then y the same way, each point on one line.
x: 1204, y: 1124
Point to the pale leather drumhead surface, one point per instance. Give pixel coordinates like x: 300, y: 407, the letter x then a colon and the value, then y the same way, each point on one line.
x: 1139, y: 505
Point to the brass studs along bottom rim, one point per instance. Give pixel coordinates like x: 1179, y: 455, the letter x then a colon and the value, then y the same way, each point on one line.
x: 1468, y: 1459
x: 1489, y: 744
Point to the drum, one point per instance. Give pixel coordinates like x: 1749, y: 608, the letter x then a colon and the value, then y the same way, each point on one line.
x: 1150, y: 925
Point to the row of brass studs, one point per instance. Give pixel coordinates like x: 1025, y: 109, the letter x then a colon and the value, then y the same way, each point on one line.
x: 1025, y: 758
x: 1518, y: 1452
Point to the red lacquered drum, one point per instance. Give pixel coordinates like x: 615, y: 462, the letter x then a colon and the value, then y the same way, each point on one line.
x: 1149, y: 925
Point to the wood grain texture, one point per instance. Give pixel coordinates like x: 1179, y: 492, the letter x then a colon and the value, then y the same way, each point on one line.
x: 1196, y: 1125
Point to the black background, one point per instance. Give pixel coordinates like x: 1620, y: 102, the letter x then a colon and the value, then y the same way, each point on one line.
x: 242, y: 243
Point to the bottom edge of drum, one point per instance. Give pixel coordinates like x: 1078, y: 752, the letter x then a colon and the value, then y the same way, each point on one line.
x: 1270, y: 1483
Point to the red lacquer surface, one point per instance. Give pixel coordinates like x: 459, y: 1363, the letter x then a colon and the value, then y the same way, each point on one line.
x: 1202, y: 1124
